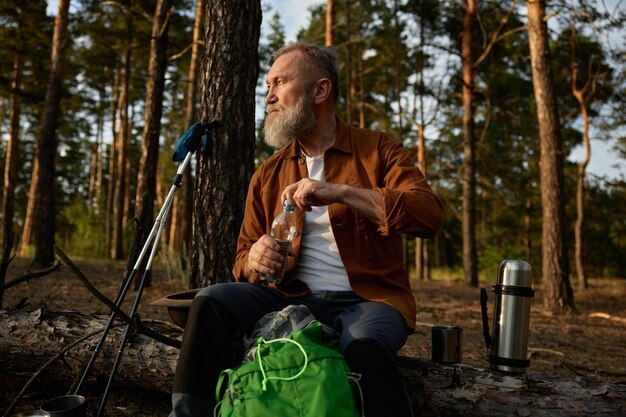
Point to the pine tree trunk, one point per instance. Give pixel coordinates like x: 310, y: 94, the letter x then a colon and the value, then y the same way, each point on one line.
x: 558, y: 294
x: 348, y: 70
x: 421, y: 249
x: 470, y: 268
x: 109, y: 209
x: 99, y: 161
x: 421, y: 245
x: 578, y: 229
x: 180, y: 236
x: 528, y: 243
x: 361, y: 92
x: 91, y: 188
x: 229, y: 76
x: 582, y: 95
x: 45, y: 212
x: 147, y: 178
x: 330, y: 21
x: 12, y: 157
x: 121, y: 151
x: 27, y: 231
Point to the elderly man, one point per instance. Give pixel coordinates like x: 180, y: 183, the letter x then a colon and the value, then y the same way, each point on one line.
x: 358, y: 190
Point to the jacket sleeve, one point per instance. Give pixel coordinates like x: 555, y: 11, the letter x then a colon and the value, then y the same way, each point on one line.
x: 252, y: 227
x: 409, y: 204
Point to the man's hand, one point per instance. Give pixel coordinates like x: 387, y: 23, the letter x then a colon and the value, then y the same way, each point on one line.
x: 265, y: 257
x: 307, y: 193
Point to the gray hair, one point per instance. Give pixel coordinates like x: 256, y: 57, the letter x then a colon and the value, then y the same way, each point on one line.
x: 322, y: 61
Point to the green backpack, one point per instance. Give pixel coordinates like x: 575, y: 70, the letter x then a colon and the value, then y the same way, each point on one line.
x: 300, y: 376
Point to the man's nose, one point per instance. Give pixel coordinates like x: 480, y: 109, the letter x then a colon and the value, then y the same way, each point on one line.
x: 271, y: 96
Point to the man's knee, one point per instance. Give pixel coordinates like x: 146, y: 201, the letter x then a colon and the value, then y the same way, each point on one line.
x: 362, y: 352
x: 222, y: 292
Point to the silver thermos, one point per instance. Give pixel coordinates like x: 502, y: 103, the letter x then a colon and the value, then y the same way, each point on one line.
x: 508, y: 342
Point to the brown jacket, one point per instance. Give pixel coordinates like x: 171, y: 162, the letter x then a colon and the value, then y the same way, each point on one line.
x: 371, y: 254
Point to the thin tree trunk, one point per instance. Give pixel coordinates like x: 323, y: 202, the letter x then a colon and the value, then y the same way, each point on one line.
x: 12, y: 157
x: 470, y: 268
x: 99, y: 161
x: 583, y: 95
x: 109, y: 209
x: 527, y: 235
x: 361, y: 92
x: 147, y: 178
x: 330, y: 21
x: 127, y: 173
x: 27, y: 231
x: 95, y: 166
x: 45, y: 212
x: 180, y: 235
x: 121, y: 151
x: 228, y: 99
x: 421, y: 245
x: 348, y: 71
x: 91, y: 188
x: 578, y: 228
x: 558, y: 294
x: 422, y: 266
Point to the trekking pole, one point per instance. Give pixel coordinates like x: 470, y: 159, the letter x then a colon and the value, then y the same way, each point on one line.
x: 190, y: 141
x: 155, y: 234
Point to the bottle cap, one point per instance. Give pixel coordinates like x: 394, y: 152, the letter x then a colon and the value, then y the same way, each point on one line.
x: 288, y: 206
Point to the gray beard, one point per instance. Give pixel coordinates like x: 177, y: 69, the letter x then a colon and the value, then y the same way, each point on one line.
x: 289, y: 123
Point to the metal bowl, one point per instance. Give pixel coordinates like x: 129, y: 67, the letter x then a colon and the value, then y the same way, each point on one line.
x: 178, y: 305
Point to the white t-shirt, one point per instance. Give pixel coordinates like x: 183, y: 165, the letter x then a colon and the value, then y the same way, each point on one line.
x: 319, y: 263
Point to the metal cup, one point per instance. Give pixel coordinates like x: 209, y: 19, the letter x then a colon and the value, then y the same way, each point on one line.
x: 65, y: 406
x: 447, y: 344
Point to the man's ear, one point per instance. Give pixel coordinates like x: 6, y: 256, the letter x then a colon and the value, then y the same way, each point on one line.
x: 322, y: 90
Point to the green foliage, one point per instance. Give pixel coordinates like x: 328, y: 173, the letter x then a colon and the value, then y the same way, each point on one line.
x: 82, y: 231
x: 272, y: 38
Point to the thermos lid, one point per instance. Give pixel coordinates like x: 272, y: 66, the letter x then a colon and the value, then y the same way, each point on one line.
x: 513, y: 272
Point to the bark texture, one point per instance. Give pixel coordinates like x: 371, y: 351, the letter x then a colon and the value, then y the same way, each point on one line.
x: 147, y: 178
x: 555, y: 272
x: 330, y: 22
x: 182, y: 209
x: 12, y: 156
x: 45, y: 213
x: 229, y: 75
x: 470, y: 264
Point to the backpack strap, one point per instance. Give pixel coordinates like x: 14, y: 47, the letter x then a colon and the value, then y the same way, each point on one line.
x: 283, y: 340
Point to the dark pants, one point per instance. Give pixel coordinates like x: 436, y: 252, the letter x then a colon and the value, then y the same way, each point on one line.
x: 370, y: 335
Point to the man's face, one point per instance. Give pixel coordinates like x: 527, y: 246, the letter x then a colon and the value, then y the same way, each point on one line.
x: 289, y: 104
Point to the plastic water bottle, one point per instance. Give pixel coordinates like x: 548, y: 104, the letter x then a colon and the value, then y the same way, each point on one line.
x: 283, y: 231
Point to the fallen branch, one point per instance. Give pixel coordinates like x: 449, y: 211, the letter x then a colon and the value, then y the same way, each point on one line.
x: 552, y: 351
x: 28, y: 275
x: 134, y: 322
x: 607, y: 317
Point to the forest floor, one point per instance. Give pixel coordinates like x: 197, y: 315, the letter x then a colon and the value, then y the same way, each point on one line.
x: 592, y: 342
